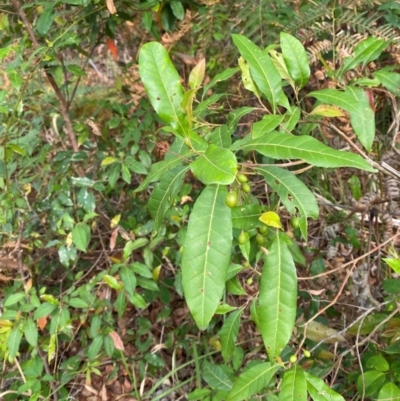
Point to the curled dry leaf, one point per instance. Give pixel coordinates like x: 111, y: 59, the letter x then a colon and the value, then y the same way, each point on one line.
x: 118, y: 344
x: 113, y: 238
x: 185, y: 199
x: 111, y: 7
x: 319, y: 332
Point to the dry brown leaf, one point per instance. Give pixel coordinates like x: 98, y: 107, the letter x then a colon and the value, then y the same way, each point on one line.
x: 41, y: 323
x: 318, y: 332
x: 91, y: 389
x: 118, y: 344
x: 113, y: 238
x: 103, y: 393
x: 185, y: 199
x: 111, y: 6
x: 316, y: 292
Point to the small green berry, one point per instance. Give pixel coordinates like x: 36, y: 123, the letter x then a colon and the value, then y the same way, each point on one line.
x: 242, y: 238
x: 231, y: 199
x: 263, y: 229
x: 293, y: 359
x: 307, y: 353
x: 242, y: 178
x: 260, y: 239
x: 246, y: 188
x: 295, y: 222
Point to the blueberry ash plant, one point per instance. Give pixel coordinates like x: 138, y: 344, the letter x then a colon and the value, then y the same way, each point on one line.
x: 226, y: 216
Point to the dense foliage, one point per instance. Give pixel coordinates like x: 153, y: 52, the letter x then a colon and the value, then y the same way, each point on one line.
x: 171, y: 208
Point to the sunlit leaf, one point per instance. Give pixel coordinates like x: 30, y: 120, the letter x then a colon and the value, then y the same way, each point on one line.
x: 278, y: 297
x: 206, y: 253
x: 295, y: 58
x: 252, y: 381
x: 262, y: 69
x: 286, y: 146
x: 163, y: 85
x: 216, y: 166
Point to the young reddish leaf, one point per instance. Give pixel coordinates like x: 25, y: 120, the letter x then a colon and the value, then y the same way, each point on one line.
x: 112, y: 47
x: 41, y: 323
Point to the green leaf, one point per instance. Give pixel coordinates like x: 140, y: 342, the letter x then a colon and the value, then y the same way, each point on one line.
x: 95, y: 326
x: 177, y: 9
x: 390, y: 80
x: 267, y: 124
x: 216, y: 166
x: 13, y: 341
x: 130, y: 246
x: 162, y: 84
x: 109, y: 160
x: 138, y: 301
x: 215, y: 377
x: 44, y: 310
x: 365, y: 52
x: 129, y: 279
x: 295, y: 58
x: 327, y: 111
x: 271, y: 219
x: 16, y: 149
x: 233, y: 270
x: 393, y: 263
x: 286, y: 146
x: 296, y: 197
x: 373, y: 381
x: 206, y: 253
x: 222, y: 76
x: 292, y: 117
x: 199, y: 394
x: 31, y: 332
x: 14, y: 298
x: 278, y: 297
x: 164, y: 193
x: 147, y: 19
x: 157, y: 170
x: 141, y: 269
x: 78, y: 303
x: 202, y: 108
x: 252, y: 381
x: 81, y: 236
x: 246, y: 217
x: 86, y: 200
x: 15, y: 79
x: 83, y: 182
x: 223, y: 309
x: 389, y: 392
x: 319, y: 391
x: 355, y: 101
x: 235, y: 115
x: 262, y: 69
x: 280, y: 65
x: 196, y: 76
x: 233, y: 287
x: 221, y: 136
x: 46, y: 20
x: 76, y: 70
x: 378, y: 362
x: 95, y: 347
x: 362, y: 121
x: 294, y: 385
x: 112, y: 282
x: 247, y: 80
x: 228, y: 334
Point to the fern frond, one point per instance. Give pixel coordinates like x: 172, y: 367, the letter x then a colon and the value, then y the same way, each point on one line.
x: 321, y: 47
